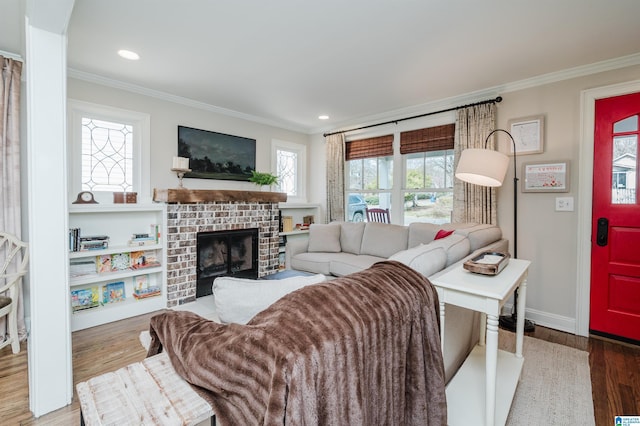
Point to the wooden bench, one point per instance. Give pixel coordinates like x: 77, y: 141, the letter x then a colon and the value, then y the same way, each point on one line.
x: 149, y: 392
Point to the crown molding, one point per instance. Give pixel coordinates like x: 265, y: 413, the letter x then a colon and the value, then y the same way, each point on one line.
x: 10, y: 55
x: 117, y: 84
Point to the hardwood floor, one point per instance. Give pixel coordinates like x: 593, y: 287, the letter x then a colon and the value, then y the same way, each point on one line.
x: 615, y: 370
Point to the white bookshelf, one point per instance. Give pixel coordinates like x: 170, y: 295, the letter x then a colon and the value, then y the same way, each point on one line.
x: 297, y: 211
x: 119, y: 222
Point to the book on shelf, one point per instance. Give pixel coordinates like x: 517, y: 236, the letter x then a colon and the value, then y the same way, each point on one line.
x: 82, y: 267
x: 144, y: 259
x: 94, y: 245
x: 120, y: 261
x: 84, y: 298
x: 113, y: 292
x: 154, y: 231
x: 103, y: 263
x: 142, y: 288
x: 74, y: 239
x: 137, y: 242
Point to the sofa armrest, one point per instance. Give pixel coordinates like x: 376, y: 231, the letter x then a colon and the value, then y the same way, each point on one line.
x: 294, y: 247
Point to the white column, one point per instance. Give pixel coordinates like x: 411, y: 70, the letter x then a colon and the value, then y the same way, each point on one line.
x: 49, y: 351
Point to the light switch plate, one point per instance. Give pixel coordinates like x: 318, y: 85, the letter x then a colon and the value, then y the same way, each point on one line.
x: 564, y: 204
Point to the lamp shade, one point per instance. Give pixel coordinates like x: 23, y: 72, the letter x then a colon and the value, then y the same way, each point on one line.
x: 484, y: 167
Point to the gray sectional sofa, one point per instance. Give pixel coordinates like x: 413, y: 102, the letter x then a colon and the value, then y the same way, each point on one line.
x: 341, y: 248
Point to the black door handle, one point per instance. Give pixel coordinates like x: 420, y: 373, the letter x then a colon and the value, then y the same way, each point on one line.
x: 603, y: 232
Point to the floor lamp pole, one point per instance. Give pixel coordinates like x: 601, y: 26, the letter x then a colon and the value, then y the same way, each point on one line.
x: 509, y: 322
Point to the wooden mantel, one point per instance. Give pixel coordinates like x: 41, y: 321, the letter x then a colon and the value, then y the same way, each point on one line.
x: 191, y: 196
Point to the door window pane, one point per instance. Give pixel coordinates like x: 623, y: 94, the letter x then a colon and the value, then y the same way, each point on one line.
x: 629, y: 124
x: 625, y: 159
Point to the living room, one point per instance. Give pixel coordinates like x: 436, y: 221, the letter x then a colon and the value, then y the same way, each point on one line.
x: 556, y: 242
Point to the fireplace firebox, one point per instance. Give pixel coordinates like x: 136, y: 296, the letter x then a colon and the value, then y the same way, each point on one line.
x: 225, y: 253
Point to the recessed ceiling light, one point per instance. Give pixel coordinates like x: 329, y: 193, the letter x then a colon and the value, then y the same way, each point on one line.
x: 127, y: 54
x: 323, y: 117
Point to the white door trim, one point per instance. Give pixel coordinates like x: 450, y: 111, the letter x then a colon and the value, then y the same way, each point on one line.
x: 585, y: 195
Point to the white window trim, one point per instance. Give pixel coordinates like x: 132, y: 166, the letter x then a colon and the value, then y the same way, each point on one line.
x: 141, y: 123
x: 301, y: 150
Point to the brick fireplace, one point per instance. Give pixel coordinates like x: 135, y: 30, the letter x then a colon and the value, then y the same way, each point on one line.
x: 192, y: 211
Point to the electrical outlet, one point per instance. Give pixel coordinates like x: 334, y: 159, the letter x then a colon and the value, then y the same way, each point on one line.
x: 564, y: 204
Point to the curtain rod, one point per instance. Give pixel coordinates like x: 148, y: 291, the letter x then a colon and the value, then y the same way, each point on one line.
x: 488, y: 101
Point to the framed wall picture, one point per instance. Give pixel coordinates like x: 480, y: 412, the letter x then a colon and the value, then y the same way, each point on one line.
x: 528, y: 134
x: 214, y: 155
x: 552, y: 176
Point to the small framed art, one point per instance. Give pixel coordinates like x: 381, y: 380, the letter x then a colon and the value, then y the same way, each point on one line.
x: 528, y: 134
x: 552, y: 176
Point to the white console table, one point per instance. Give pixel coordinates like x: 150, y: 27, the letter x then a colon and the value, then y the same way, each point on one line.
x: 498, y: 380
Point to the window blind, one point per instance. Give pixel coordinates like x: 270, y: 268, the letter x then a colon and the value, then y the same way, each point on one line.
x: 429, y: 139
x: 381, y: 146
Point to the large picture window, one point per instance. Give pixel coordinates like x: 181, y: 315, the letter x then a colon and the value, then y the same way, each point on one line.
x: 422, y: 190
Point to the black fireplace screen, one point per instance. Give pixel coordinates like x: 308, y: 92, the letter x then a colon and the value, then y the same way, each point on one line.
x: 226, y: 253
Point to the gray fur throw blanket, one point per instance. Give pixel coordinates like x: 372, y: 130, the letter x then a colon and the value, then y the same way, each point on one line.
x: 363, y: 349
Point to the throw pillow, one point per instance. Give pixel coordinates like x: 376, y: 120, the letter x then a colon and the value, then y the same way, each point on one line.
x: 443, y: 233
x: 324, y: 238
x: 239, y: 299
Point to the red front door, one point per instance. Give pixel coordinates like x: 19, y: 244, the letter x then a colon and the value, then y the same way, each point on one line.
x: 615, y: 240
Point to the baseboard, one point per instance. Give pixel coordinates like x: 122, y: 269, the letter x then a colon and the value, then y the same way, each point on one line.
x: 546, y: 319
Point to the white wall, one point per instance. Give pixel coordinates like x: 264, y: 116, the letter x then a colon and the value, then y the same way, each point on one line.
x: 165, y: 118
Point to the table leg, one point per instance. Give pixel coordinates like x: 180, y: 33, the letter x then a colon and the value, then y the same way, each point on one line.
x: 483, y: 329
x: 491, y: 369
x: 522, y: 297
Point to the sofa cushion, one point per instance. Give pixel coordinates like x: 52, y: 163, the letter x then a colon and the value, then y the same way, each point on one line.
x: 238, y: 299
x: 349, y: 263
x: 383, y: 239
x: 425, y: 258
x: 324, y: 237
x: 456, y: 246
x: 351, y: 236
x: 422, y: 233
x: 480, y: 235
x: 316, y: 263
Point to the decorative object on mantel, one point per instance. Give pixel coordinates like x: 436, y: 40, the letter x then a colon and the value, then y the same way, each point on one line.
x: 125, y: 197
x: 180, y: 166
x: 263, y: 179
x: 191, y: 196
x: 85, y: 197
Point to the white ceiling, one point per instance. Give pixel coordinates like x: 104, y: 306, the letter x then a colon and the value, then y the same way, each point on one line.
x: 285, y: 62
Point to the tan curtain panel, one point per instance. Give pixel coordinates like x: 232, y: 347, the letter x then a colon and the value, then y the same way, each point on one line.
x: 473, y: 203
x: 335, y: 177
x: 381, y: 146
x: 10, y: 212
x: 430, y: 139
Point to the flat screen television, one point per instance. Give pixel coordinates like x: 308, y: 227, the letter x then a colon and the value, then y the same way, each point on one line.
x: 214, y: 155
